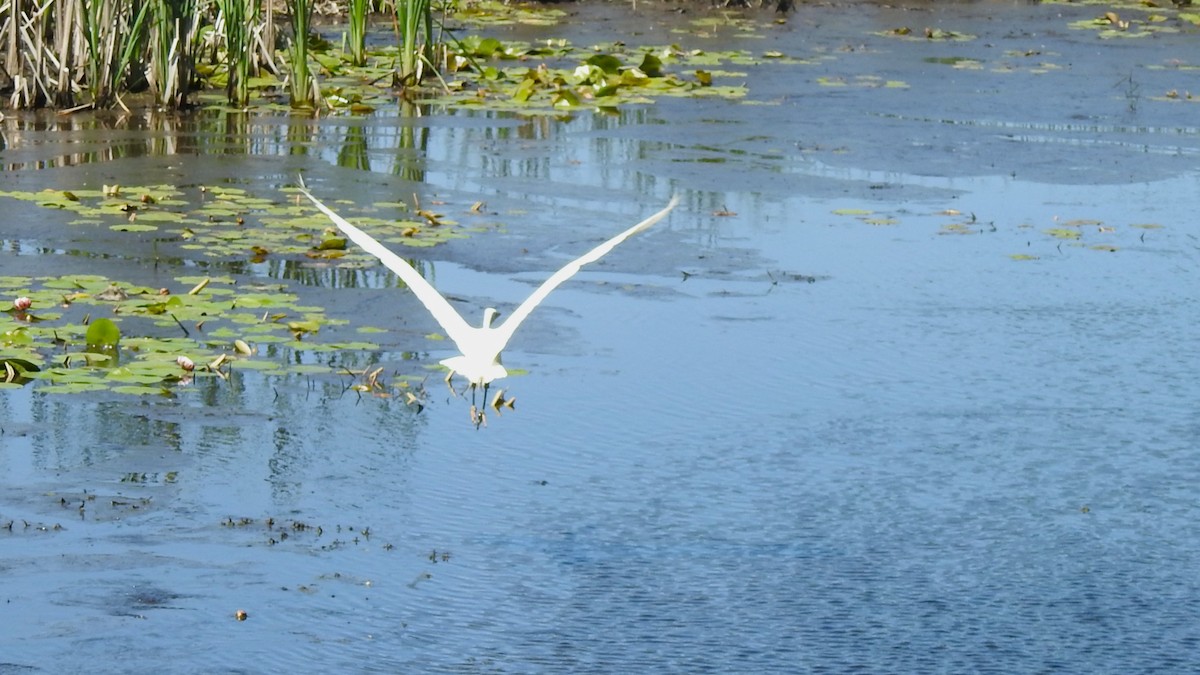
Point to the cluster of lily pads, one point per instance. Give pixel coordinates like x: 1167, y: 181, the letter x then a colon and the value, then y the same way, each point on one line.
x: 84, y: 332
x: 230, y: 223
x: 554, y: 76
x: 1137, y: 18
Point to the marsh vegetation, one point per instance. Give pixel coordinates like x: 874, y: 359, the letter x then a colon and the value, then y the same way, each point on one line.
x: 99, y: 53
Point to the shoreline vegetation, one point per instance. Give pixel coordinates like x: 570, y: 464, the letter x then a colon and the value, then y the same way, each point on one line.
x: 75, y: 55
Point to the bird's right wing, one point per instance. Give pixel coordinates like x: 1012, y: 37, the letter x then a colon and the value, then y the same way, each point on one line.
x: 520, y: 313
x: 442, y: 311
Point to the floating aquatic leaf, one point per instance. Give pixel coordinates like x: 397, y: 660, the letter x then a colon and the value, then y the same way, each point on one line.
x: 1063, y: 233
x: 160, y: 217
x: 651, y: 66
x: 103, y: 335
x: 965, y: 62
x: 91, y: 357
x: 16, y: 370
x: 302, y: 327
x: 133, y: 227
x: 907, y: 33
x: 605, y: 62
x: 957, y: 228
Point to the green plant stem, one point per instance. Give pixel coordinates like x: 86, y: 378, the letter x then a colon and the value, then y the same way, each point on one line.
x: 302, y: 93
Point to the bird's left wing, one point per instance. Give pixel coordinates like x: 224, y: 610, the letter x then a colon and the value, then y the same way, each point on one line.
x: 520, y: 313
x: 442, y: 311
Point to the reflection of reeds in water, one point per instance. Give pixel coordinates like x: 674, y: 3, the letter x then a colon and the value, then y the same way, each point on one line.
x: 353, y: 153
x: 413, y: 142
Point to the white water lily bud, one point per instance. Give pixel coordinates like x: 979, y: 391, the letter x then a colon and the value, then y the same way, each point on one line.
x: 186, y: 363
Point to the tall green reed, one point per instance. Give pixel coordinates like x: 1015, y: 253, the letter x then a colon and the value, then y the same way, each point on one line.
x: 112, y: 35
x: 356, y: 49
x: 414, y: 18
x: 171, y: 67
x: 236, y: 19
x: 302, y: 84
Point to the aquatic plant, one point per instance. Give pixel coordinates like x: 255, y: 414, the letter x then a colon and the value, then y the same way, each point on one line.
x: 67, y: 335
x: 356, y: 39
x: 414, y: 19
x: 112, y: 34
x: 170, y: 68
x: 301, y: 83
x: 40, y: 57
x: 235, y: 20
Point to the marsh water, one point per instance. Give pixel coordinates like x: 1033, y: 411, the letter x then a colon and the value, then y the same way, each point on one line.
x: 906, y: 383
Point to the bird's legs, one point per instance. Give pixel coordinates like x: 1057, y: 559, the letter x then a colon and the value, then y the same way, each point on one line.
x: 478, y: 415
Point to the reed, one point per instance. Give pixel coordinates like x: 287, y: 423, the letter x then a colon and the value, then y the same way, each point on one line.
x: 302, y: 86
x: 234, y: 24
x: 356, y: 48
x: 38, y: 59
x: 171, y: 70
x: 414, y: 19
x: 61, y: 52
x: 263, y: 35
x: 112, y: 35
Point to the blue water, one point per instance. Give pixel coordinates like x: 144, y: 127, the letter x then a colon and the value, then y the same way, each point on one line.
x: 934, y: 457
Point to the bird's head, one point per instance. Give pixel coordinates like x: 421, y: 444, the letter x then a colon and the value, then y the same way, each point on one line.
x: 489, y: 315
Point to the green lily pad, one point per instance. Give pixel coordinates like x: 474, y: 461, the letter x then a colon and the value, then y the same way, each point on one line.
x: 1064, y: 233
x: 102, y: 335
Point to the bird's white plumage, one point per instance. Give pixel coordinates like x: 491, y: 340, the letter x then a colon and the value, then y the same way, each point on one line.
x: 479, y: 362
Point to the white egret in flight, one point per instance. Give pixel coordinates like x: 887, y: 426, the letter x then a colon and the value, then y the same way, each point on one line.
x: 479, y: 361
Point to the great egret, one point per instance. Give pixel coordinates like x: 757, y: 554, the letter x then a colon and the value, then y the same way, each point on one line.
x: 479, y: 361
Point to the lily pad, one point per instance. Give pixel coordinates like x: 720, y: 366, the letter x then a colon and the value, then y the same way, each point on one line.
x: 102, y: 335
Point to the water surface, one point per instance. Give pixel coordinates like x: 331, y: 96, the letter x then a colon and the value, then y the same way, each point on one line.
x: 798, y: 438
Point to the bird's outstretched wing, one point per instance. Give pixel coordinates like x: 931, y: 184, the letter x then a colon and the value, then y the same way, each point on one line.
x: 514, y: 320
x: 442, y: 311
